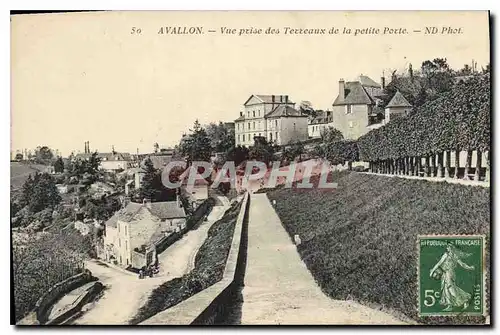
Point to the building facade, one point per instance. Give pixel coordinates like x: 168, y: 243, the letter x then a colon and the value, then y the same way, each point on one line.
x: 272, y: 117
x: 318, y: 123
x: 132, y: 233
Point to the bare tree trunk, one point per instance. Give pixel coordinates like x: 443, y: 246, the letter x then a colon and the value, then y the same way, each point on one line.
x: 418, y: 165
x: 487, y: 174
x: 426, y: 167
x: 477, y: 175
x: 432, y: 162
x: 468, y: 164
x: 440, y: 165
x: 447, y: 156
x: 457, y: 163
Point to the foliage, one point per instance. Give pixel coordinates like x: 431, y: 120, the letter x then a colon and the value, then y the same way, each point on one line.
x: 59, y: 165
x: 101, y: 209
x: 221, y: 138
x: 19, y: 157
x: 43, y: 155
x: 39, y: 192
x: 367, y: 249
x: 293, y: 151
x: 209, y: 268
x: 152, y: 187
x: 196, y: 146
x: 262, y: 151
x: 40, y: 262
x: 237, y: 154
x: 331, y: 135
x: 457, y: 120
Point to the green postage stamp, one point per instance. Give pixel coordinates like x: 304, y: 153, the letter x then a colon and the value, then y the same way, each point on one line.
x: 451, y: 275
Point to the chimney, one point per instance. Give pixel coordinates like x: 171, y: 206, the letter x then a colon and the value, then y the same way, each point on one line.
x: 272, y: 99
x: 241, y: 113
x: 382, y: 81
x: 281, y: 98
x: 341, y: 89
x: 286, y: 99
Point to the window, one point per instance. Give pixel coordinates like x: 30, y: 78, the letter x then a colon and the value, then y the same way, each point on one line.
x: 249, y: 137
x: 238, y: 138
x: 118, y: 227
x: 270, y: 136
x: 259, y: 112
x: 348, y: 109
x: 248, y: 125
x: 260, y: 134
x: 248, y: 114
x: 276, y: 123
x: 276, y: 136
x: 126, y: 245
x: 294, y: 126
x: 125, y: 230
x: 253, y: 113
x: 254, y: 125
x: 120, y: 243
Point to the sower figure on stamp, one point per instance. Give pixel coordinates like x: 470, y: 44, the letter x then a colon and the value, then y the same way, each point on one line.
x: 451, y: 294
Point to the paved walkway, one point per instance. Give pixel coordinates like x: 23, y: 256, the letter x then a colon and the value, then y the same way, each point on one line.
x: 279, y: 289
x: 125, y: 293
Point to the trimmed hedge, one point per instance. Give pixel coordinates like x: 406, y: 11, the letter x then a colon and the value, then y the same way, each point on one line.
x: 458, y: 120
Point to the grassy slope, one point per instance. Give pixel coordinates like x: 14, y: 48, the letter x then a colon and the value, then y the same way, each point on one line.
x: 209, y: 268
x: 360, y: 239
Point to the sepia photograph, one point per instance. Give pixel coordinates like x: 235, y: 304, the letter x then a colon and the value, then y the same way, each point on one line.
x: 320, y: 168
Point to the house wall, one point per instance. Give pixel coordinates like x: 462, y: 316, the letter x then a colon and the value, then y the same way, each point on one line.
x: 292, y: 129
x: 111, y: 244
x: 197, y: 192
x: 352, y: 125
x: 114, y: 165
x: 393, y: 112
x: 315, y: 130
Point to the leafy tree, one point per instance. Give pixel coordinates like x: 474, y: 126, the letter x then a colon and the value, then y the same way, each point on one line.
x: 306, y: 107
x: 43, y: 155
x: 59, y: 165
x: 196, y: 146
x: 221, y: 138
x: 19, y: 157
x: 152, y: 187
x: 40, y: 192
x: 262, y: 151
x: 331, y: 135
x: 237, y: 154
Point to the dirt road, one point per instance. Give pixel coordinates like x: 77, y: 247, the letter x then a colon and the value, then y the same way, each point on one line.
x: 125, y: 293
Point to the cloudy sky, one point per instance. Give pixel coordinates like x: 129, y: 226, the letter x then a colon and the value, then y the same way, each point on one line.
x: 86, y: 77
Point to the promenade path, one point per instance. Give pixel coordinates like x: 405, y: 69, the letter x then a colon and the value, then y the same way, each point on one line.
x: 279, y: 289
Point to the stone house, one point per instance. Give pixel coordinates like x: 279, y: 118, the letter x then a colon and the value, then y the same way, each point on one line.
x: 272, y: 117
x: 131, y: 235
x: 397, y: 107
x: 318, y: 122
x: 110, y: 161
x: 357, y: 106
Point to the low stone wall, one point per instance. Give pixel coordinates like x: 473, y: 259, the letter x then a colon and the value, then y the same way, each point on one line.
x: 76, y: 307
x: 43, y: 305
x: 208, y: 306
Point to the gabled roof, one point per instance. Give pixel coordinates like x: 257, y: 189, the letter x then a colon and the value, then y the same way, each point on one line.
x: 159, y: 161
x: 241, y: 118
x: 321, y: 117
x: 398, y: 100
x: 284, y: 111
x: 268, y: 99
x: 355, y: 95
x: 368, y: 82
x: 162, y: 210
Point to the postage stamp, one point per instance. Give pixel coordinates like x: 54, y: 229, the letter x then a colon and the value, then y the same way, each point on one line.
x: 451, y: 275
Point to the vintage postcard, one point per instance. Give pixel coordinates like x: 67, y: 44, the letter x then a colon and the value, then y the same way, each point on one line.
x: 251, y: 168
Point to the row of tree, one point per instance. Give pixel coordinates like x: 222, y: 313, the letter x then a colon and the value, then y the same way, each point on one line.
x: 459, y: 120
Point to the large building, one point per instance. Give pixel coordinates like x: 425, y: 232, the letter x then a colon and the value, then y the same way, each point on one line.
x: 272, y: 117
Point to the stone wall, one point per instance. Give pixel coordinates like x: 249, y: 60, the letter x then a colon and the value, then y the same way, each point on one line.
x: 209, y: 306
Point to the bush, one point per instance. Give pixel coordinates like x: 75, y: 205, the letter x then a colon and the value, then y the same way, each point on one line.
x: 360, y: 239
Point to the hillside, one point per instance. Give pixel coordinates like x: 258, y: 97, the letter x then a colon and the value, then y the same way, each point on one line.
x: 19, y: 172
x: 360, y: 240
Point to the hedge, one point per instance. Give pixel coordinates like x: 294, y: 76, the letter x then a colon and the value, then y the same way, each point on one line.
x: 458, y: 120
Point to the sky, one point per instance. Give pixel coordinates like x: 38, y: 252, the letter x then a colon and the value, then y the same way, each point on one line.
x: 86, y: 77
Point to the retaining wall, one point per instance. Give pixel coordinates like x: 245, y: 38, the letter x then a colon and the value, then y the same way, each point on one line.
x: 208, y: 306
